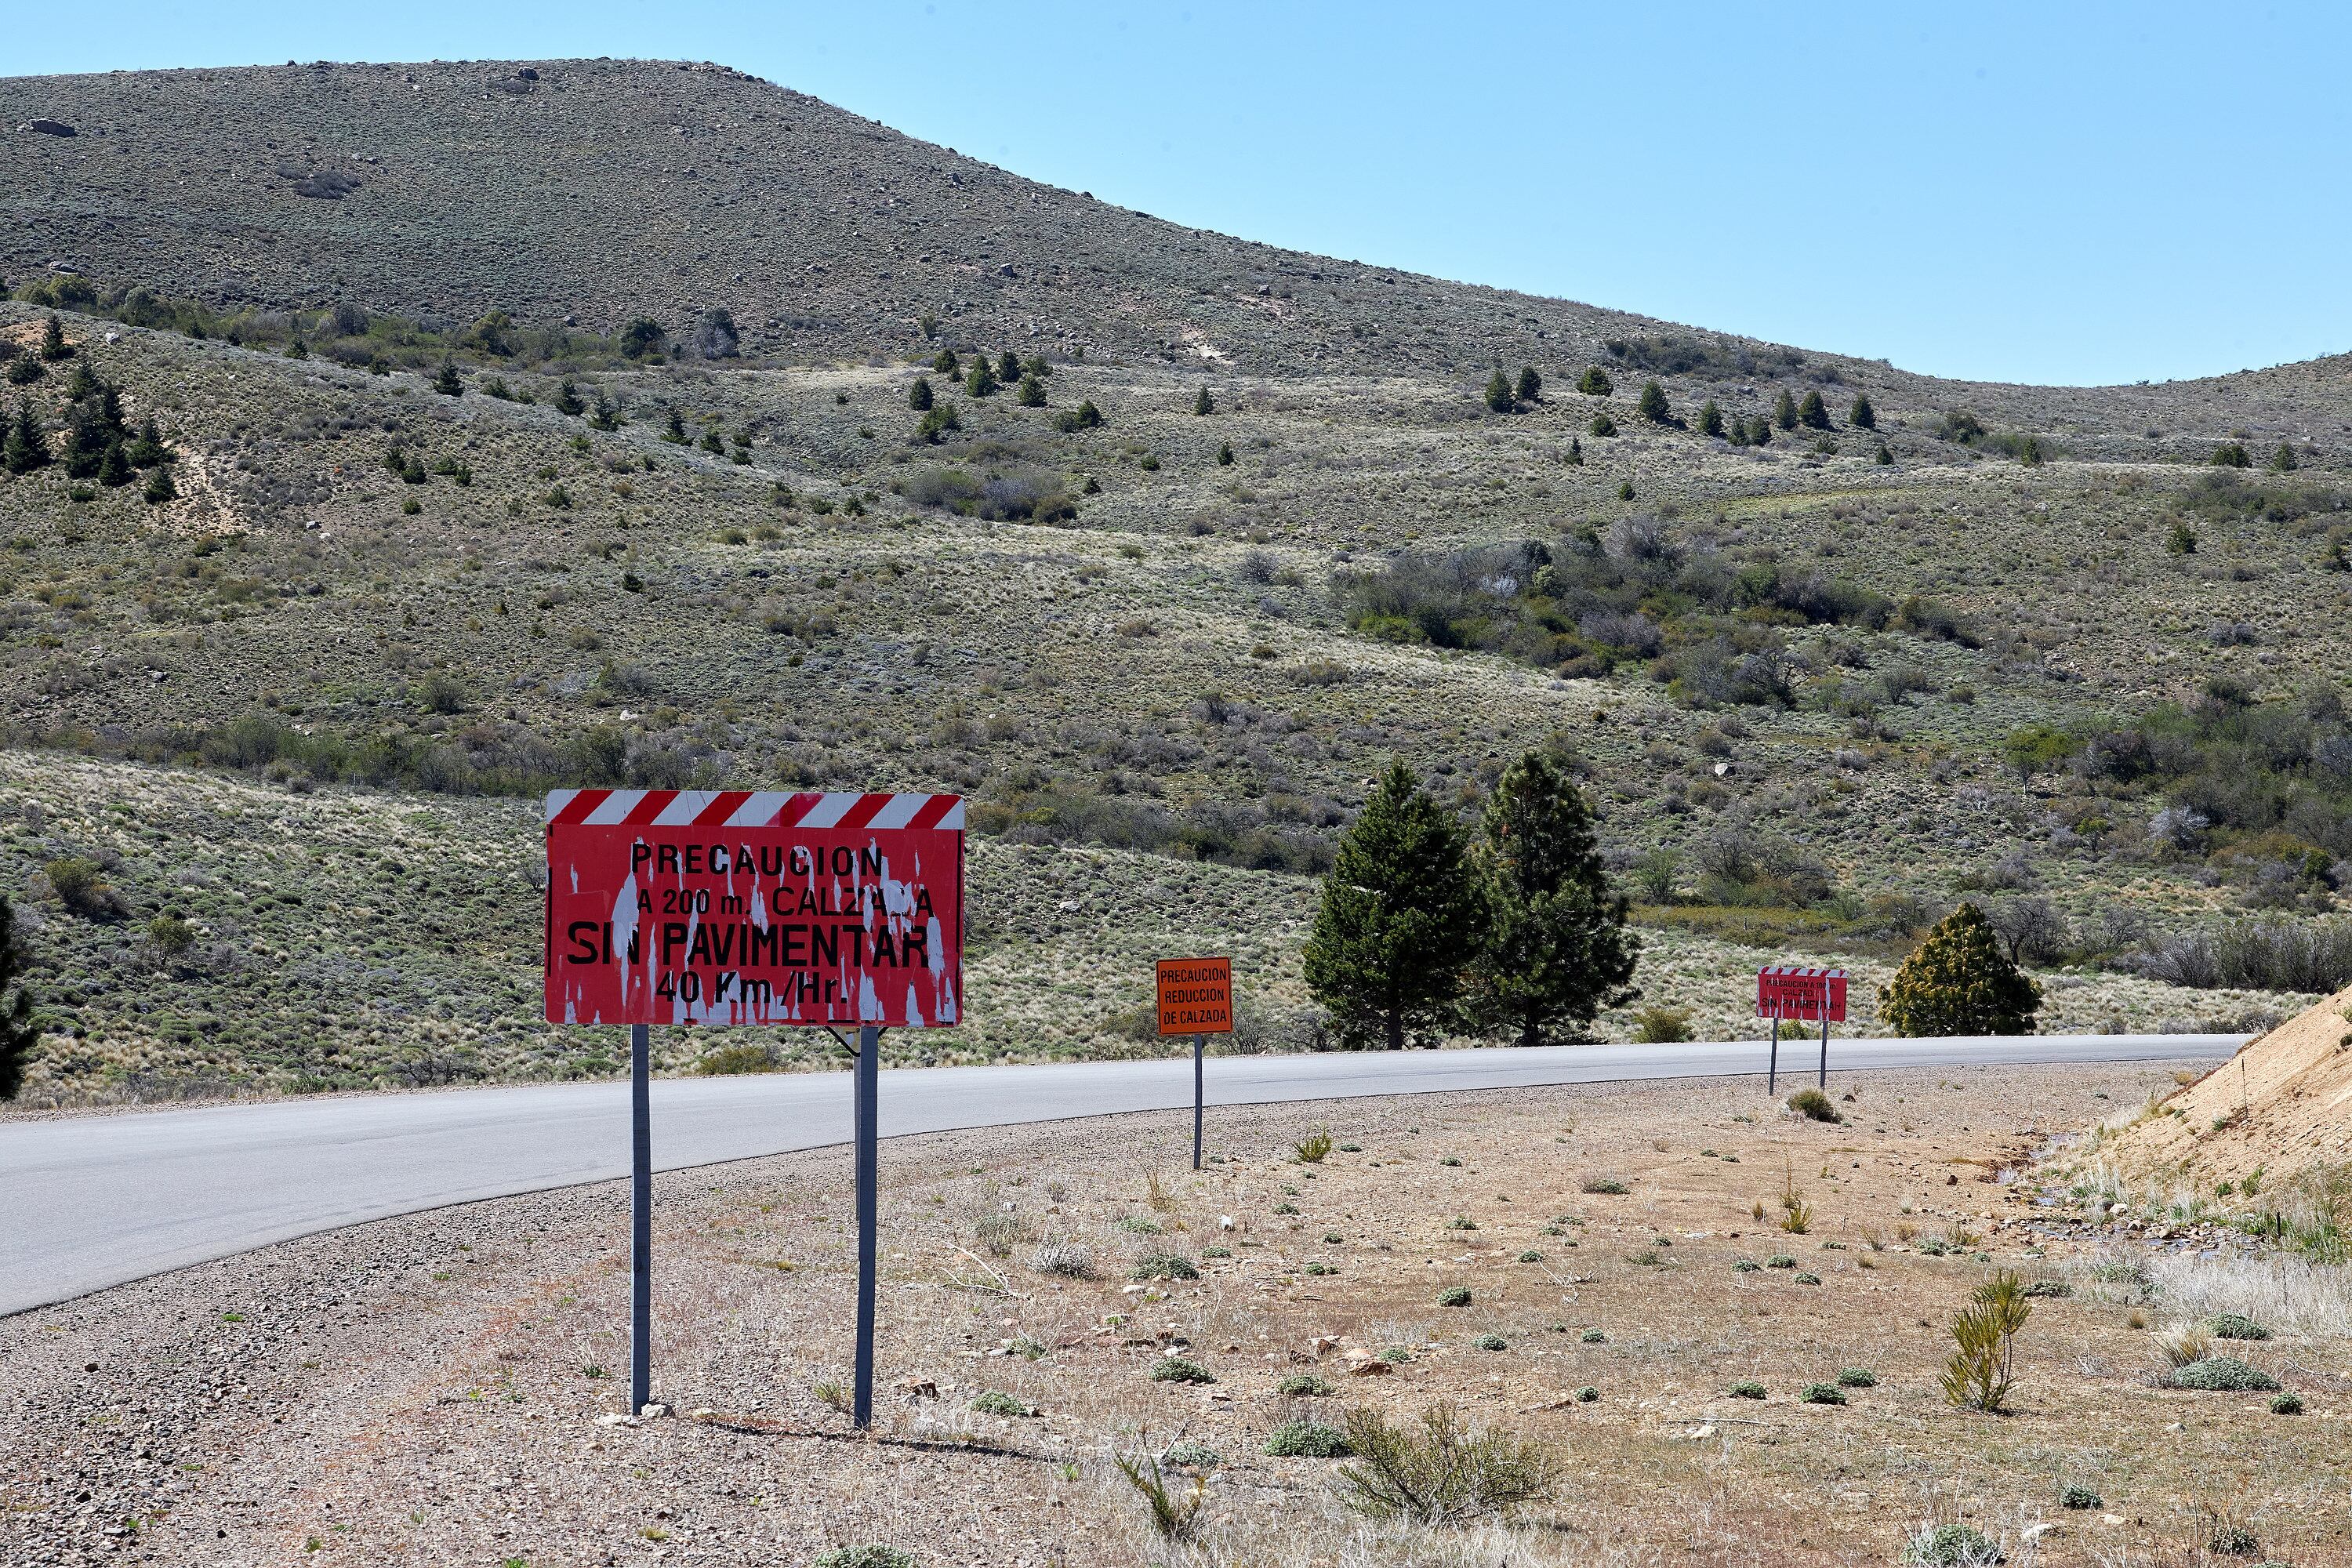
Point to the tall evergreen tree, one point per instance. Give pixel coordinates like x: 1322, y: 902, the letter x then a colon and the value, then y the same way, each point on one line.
x: 1959, y: 981
x: 1594, y: 383
x: 114, y: 465
x: 675, y: 431
x: 83, y: 382
x: 1402, y: 917
x: 1602, y: 425
x: 1653, y: 405
x: 2283, y: 460
x: 26, y: 446
x: 1498, y: 394
x: 447, y: 384
x: 160, y: 486
x: 567, y: 399
x: 982, y: 380
x: 18, y: 1035
x: 87, y: 438
x: 1008, y: 368
x: 148, y: 449
x: 1813, y: 413
x: 1862, y: 417
x: 1204, y: 404
x: 1558, y: 951
x: 1784, y: 412
x: 54, y: 346
x: 1575, y: 452
x: 1032, y: 391
x: 945, y: 362
x: 1710, y: 419
x: 919, y: 396
x: 1530, y: 387
x: 1760, y: 431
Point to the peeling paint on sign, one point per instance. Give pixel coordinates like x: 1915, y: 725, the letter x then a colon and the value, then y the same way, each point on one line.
x: 739, y: 907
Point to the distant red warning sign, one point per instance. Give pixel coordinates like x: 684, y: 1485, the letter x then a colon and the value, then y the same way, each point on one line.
x: 754, y: 906
x: 1789, y: 991
x: 1196, y: 996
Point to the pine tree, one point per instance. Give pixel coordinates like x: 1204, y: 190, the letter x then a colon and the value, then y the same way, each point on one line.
x: 1862, y: 417
x: 17, y: 1034
x: 1008, y: 369
x: 937, y: 420
x: 919, y: 396
x: 83, y: 382
x: 1401, y: 920
x: 1575, y: 452
x: 1653, y: 405
x: 447, y: 384
x: 160, y: 488
x: 1204, y: 402
x: 567, y: 399
x: 1595, y: 383
x: 27, y: 444
x: 1224, y: 454
x: 148, y: 450
x: 298, y: 350
x: 604, y: 415
x: 1710, y: 419
x: 54, y: 346
x: 1813, y: 413
x: 982, y: 380
x: 1602, y: 425
x: 1959, y: 981
x: 1760, y: 431
x: 712, y: 443
x: 1033, y: 392
x: 945, y: 363
x: 1738, y: 435
x: 1784, y: 412
x: 675, y: 431
x: 114, y: 465
x: 2283, y: 460
x: 1559, y: 952
x: 1498, y: 394
x: 87, y: 437
x: 1885, y: 457
x: 1530, y: 387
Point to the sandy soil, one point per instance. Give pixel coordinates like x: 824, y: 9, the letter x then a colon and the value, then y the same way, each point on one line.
x: 445, y: 1388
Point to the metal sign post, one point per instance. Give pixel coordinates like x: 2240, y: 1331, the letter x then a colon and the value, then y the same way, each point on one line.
x: 869, y: 1164
x: 1200, y: 1043
x: 641, y: 1219
x: 1196, y: 998
x: 1825, y: 1048
x: 1772, y: 1072
x: 770, y: 908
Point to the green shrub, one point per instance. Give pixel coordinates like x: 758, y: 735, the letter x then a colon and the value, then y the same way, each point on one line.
x: 1595, y: 383
x: 1531, y: 1256
x: 1174, y: 1516
x: 1748, y: 1390
x: 1604, y: 1185
x: 1952, y: 1546
x: 1176, y: 1369
x: 1960, y: 981
x: 1808, y: 1278
x: 2229, y: 1539
x: 992, y: 1403
x: 1984, y: 1336
x: 1442, y: 1472
x: 1662, y: 1026
x: 1453, y: 1296
x: 2235, y: 1326
x: 1303, y: 1385
x: 2075, y: 1495
x: 1587, y: 1395
x: 1746, y: 1265
x: 1491, y: 1342
x: 2221, y: 1374
x: 1593, y: 1337
x: 1652, y: 404
x: 1779, y: 1260
x: 1814, y: 1106
x: 1299, y: 1439
x: 1194, y: 1455
x: 864, y: 1557
x: 2287, y: 1404
x: 1163, y: 1266
x: 1822, y: 1394
x: 1857, y: 1377
x: 1312, y: 1147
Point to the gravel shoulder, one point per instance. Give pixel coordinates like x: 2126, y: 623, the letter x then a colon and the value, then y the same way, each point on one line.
x: 446, y: 1387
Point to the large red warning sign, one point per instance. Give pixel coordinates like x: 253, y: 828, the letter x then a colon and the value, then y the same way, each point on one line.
x: 754, y: 906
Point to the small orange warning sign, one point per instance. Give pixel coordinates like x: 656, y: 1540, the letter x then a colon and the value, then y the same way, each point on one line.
x: 1196, y: 996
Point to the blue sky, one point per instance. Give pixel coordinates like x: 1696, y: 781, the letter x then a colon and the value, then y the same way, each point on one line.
x: 2048, y: 192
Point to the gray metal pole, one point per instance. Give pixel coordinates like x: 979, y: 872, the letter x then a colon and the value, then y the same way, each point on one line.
x: 869, y: 1049
x: 1198, y: 1041
x: 1826, y: 1042
x: 1772, y: 1072
x: 641, y: 1219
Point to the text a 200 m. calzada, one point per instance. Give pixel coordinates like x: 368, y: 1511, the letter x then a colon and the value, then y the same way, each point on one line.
x: 744, y: 907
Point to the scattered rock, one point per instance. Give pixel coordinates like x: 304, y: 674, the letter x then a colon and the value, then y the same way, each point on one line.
x: 51, y: 128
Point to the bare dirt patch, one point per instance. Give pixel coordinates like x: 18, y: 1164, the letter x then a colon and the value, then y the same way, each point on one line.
x: 442, y: 1388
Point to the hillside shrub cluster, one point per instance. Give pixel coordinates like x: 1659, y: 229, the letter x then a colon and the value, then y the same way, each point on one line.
x: 1710, y: 627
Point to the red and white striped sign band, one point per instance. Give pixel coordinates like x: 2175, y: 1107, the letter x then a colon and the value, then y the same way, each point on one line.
x: 750, y: 808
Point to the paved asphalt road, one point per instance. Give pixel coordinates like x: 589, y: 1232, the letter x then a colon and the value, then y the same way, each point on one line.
x: 89, y: 1202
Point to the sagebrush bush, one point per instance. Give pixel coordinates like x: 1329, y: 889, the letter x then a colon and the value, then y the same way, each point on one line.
x: 1303, y: 1384
x: 2221, y: 1374
x: 1442, y: 1470
x: 1453, y: 1296
x: 1068, y: 1260
x: 1814, y: 1106
x: 2075, y: 1496
x: 1952, y: 1546
x: 1176, y: 1369
x: 1163, y: 1266
x: 864, y: 1557
x: 2235, y: 1326
x: 1604, y: 1185
x: 1299, y: 1439
x: 1747, y: 1390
